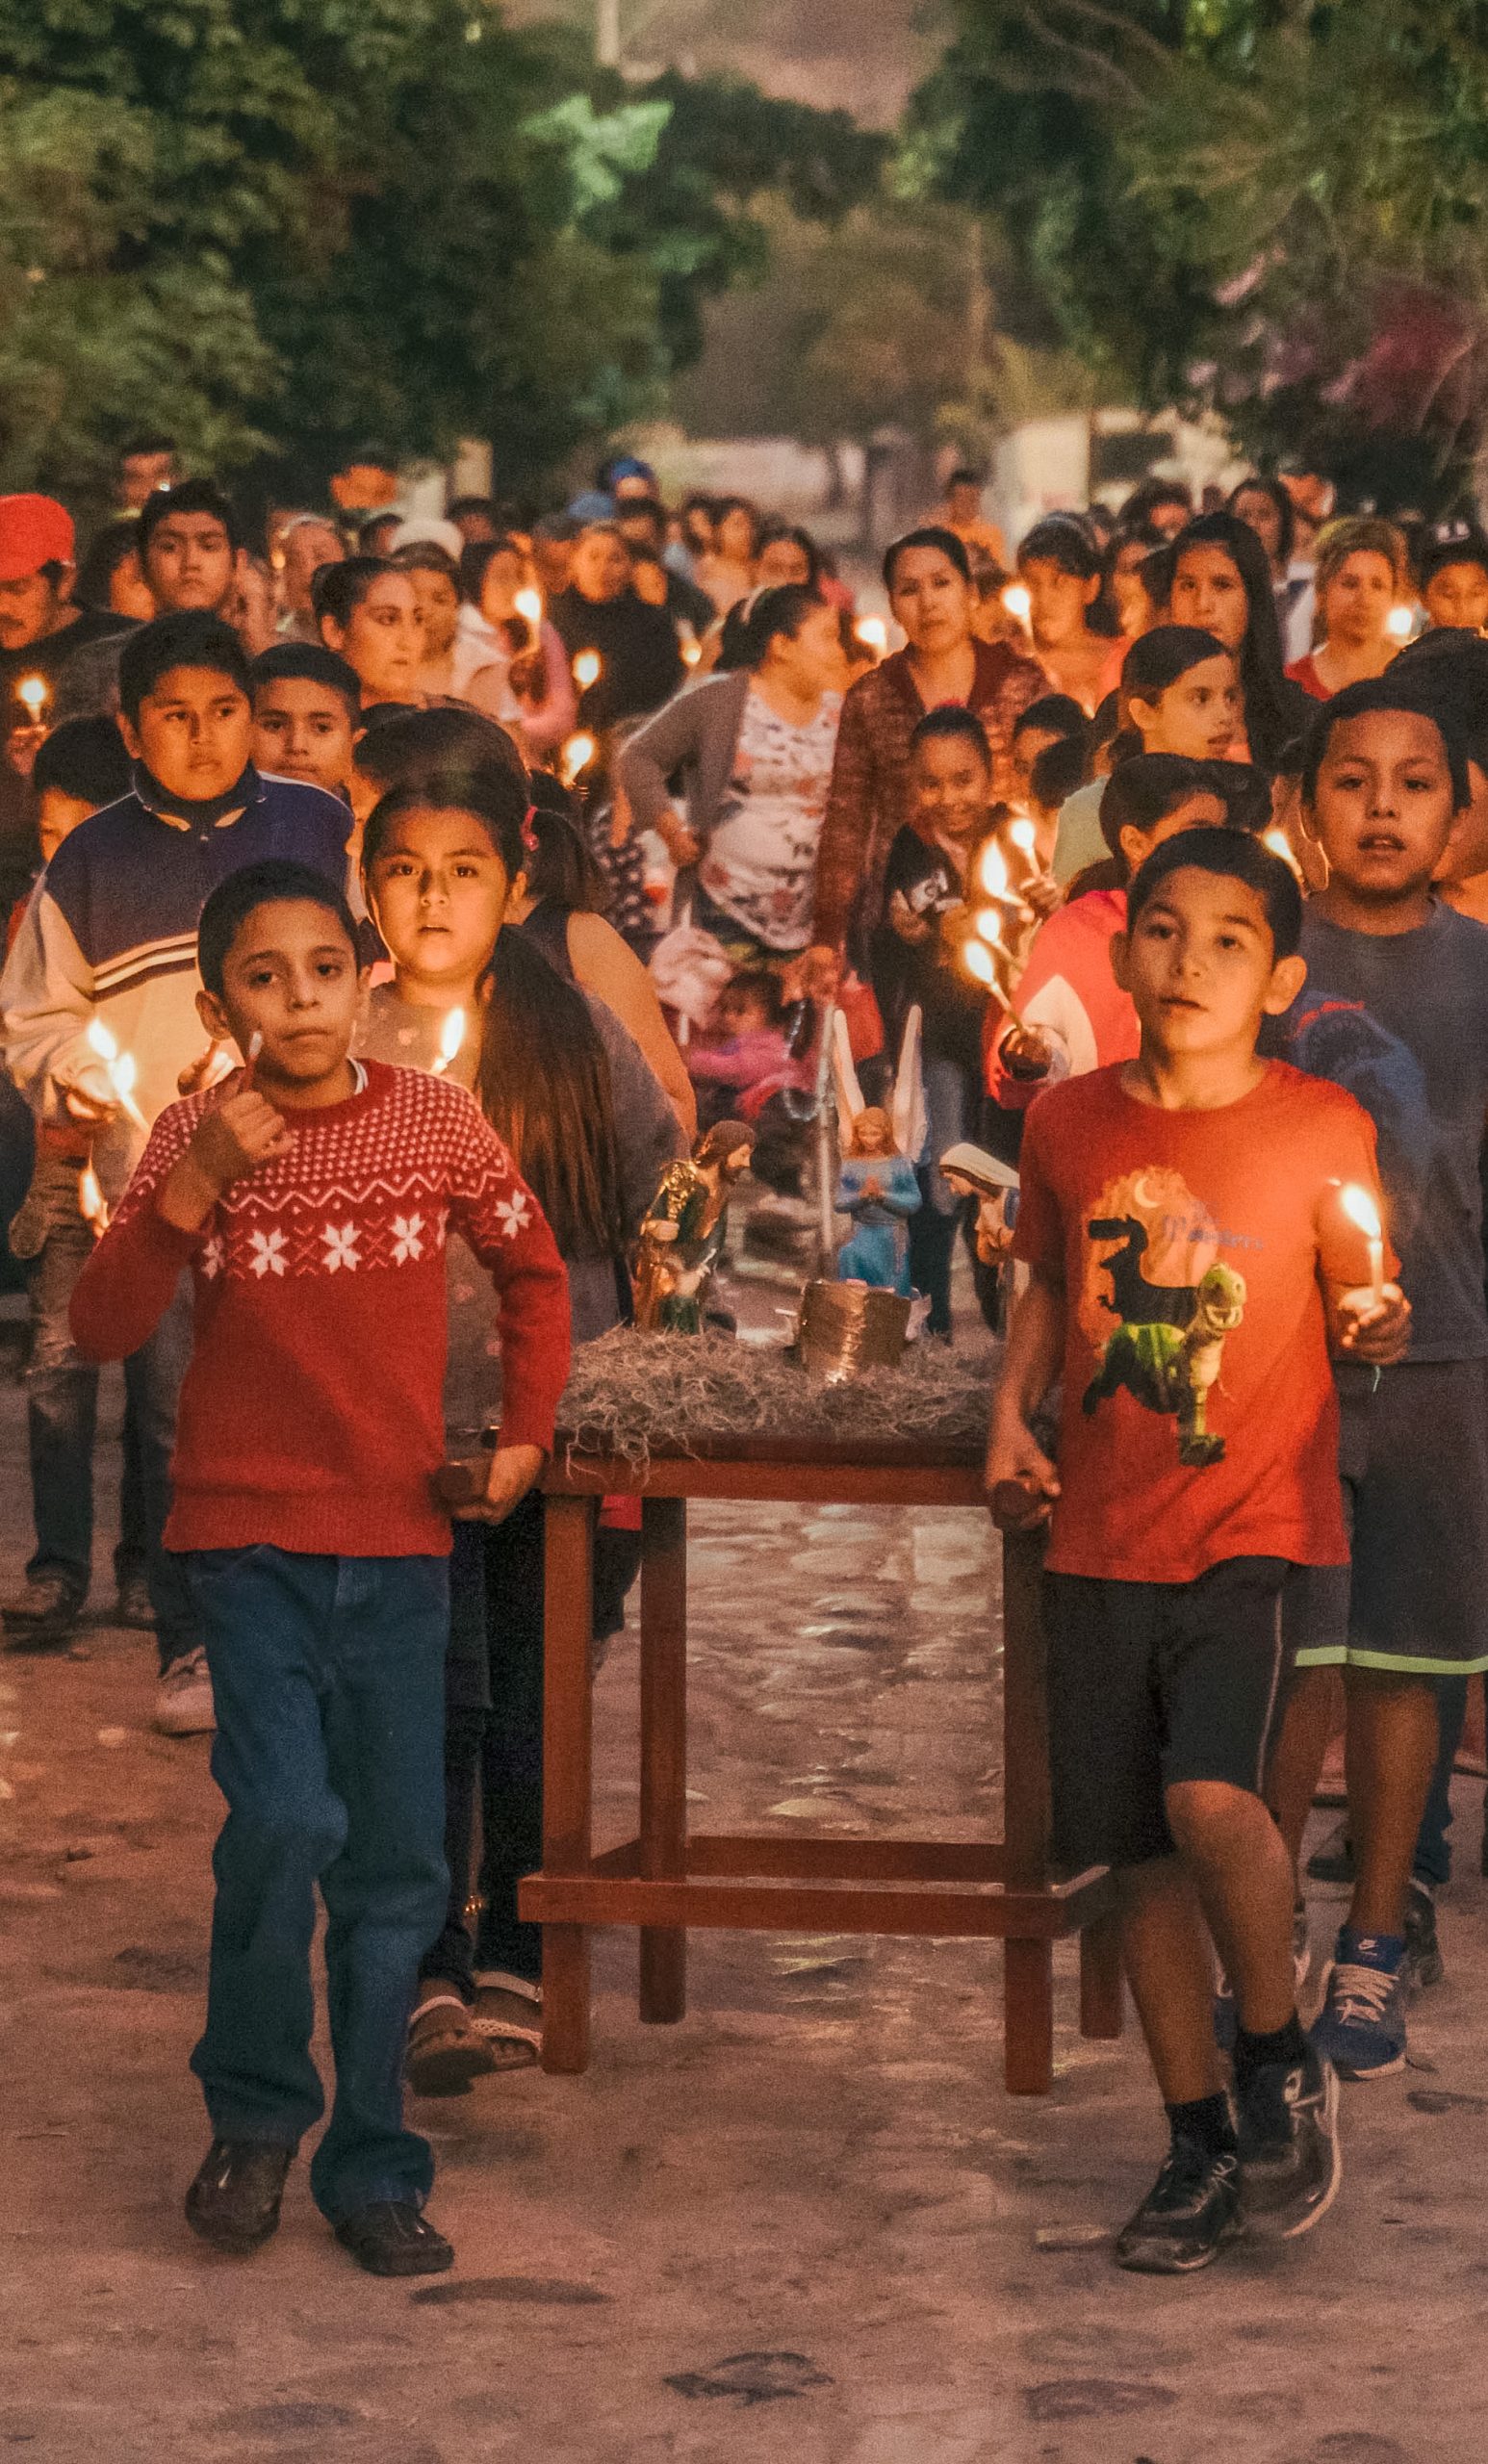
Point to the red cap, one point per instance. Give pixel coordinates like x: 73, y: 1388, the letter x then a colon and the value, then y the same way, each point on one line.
x: 34, y: 531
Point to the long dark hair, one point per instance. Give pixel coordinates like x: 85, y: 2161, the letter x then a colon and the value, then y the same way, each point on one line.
x: 1275, y: 708
x: 544, y: 1083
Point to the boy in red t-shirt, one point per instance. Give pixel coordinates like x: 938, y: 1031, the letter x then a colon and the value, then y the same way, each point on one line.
x: 1183, y: 1218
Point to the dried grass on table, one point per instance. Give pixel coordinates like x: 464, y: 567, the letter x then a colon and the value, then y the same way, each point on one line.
x: 631, y: 1393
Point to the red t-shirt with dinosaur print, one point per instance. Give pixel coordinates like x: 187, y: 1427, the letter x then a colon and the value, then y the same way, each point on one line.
x: 1199, y: 1419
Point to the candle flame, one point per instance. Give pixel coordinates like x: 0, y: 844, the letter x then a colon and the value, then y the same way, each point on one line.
x: 979, y: 963
x: 452, y: 1037
x: 993, y: 869
x: 1024, y: 836
x: 1018, y: 602
x: 873, y: 634
x: 588, y: 667
x: 34, y: 691
x: 1399, y: 622
x: 577, y: 753
x: 122, y: 1070
x: 689, y: 644
x: 91, y: 1203
x: 989, y: 926
x: 1281, y: 845
x: 528, y: 604
x: 1361, y: 1209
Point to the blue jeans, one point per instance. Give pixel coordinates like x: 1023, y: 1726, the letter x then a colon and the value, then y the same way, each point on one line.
x: 62, y: 1409
x: 329, y: 1676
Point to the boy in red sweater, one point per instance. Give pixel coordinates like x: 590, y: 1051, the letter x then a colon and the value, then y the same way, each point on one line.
x: 310, y: 1196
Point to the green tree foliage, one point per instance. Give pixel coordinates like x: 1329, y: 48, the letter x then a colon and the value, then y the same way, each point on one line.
x: 276, y: 227
x: 1278, y: 208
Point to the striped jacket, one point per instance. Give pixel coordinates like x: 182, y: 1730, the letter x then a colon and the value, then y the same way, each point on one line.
x: 111, y: 933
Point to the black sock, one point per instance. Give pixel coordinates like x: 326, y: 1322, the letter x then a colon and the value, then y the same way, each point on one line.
x: 1253, y: 2053
x: 1206, y: 2121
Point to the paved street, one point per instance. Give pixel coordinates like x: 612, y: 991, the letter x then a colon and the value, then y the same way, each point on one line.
x: 806, y: 2224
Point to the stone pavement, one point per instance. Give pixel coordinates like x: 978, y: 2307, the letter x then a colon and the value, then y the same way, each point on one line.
x: 806, y: 2226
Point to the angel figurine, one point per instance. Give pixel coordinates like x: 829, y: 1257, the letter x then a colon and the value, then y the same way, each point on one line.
x: 683, y: 1230
x: 877, y: 1186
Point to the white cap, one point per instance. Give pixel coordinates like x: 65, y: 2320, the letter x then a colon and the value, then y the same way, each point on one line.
x: 428, y: 530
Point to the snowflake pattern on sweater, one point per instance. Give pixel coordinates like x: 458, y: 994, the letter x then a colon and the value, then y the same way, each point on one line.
x: 311, y: 1414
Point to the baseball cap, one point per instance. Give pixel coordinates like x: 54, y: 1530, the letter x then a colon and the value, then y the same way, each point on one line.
x: 34, y: 531
x: 427, y: 530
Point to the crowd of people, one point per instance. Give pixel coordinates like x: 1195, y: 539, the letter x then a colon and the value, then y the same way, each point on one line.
x: 393, y: 900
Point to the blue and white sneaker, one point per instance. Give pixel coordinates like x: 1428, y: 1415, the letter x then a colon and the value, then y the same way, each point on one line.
x: 1361, y: 2026
x: 1226, y: 2018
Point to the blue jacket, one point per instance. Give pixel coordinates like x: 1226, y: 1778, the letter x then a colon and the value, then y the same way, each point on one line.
x: 111, y: 933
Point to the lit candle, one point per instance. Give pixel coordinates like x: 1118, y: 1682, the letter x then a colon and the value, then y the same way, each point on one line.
x: 873, y: 634
x: 450, y: 1037
x: 1025, y: 838
x: 35, y: 693
x: 689, y: 644
x: 577, y: 753
x: 528, y: 604
x: 1281, y: 845
x: 93, y: 1206
x: 1361, y: 1209
x: 588, y: 667
x: 1400, y: 624
x: 980, y: 963
x: 992, y: 872
x: 122, y: 1071
x: 1018, y: 602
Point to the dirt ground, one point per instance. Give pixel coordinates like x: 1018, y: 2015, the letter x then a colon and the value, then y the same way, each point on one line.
x: 805, y: 2226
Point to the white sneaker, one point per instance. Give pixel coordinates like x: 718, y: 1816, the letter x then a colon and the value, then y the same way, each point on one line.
x: 183, y: 1705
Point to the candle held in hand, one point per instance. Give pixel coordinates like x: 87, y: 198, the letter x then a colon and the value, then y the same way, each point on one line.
x: 588, y: 667
x: 93, y: 1206
x: 122, y: 1071
x: 1025, y: 838
x: 35, y: 693
x: 528, y: 604
x: 1361, y: 1209
x: 577, y: 753
x: 452, y: 1038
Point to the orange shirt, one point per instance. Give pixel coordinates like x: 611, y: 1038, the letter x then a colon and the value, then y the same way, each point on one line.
x: 1200, y: 1417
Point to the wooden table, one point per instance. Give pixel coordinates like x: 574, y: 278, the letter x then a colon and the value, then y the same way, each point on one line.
x: 665, y: 1879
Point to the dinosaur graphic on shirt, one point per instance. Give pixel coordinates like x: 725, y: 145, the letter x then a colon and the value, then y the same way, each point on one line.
x: 1167, y: 1346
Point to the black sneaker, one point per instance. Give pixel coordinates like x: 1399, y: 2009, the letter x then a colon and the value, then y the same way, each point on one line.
x: 1422, y: 1964
x: 1289, y: 2161
x: 1191, y: 2210
x: 43, y: 1613
x: 234, y: 2201
x: 390, y: 2236
x: 136, y: 1609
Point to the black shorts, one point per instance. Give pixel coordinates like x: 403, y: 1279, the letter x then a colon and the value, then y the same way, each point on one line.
x: 1151, y: 1684
x: 1413, y: 1458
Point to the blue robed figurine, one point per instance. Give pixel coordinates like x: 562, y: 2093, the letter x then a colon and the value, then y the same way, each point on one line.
x: 877, y: 1185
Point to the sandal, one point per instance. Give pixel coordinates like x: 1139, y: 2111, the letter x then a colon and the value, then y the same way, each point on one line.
x: 445, y: 2053
x: 509, y: 2013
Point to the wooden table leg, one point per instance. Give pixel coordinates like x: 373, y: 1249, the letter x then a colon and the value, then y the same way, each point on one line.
x: 663, y: 1744
x: 567, y: 1797
x: 1100, y: 1979
x: 1028, y: 1966
x: 1028, y: 2016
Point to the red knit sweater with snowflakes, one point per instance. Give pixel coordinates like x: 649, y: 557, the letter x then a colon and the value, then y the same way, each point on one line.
x: 311, y: 1416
